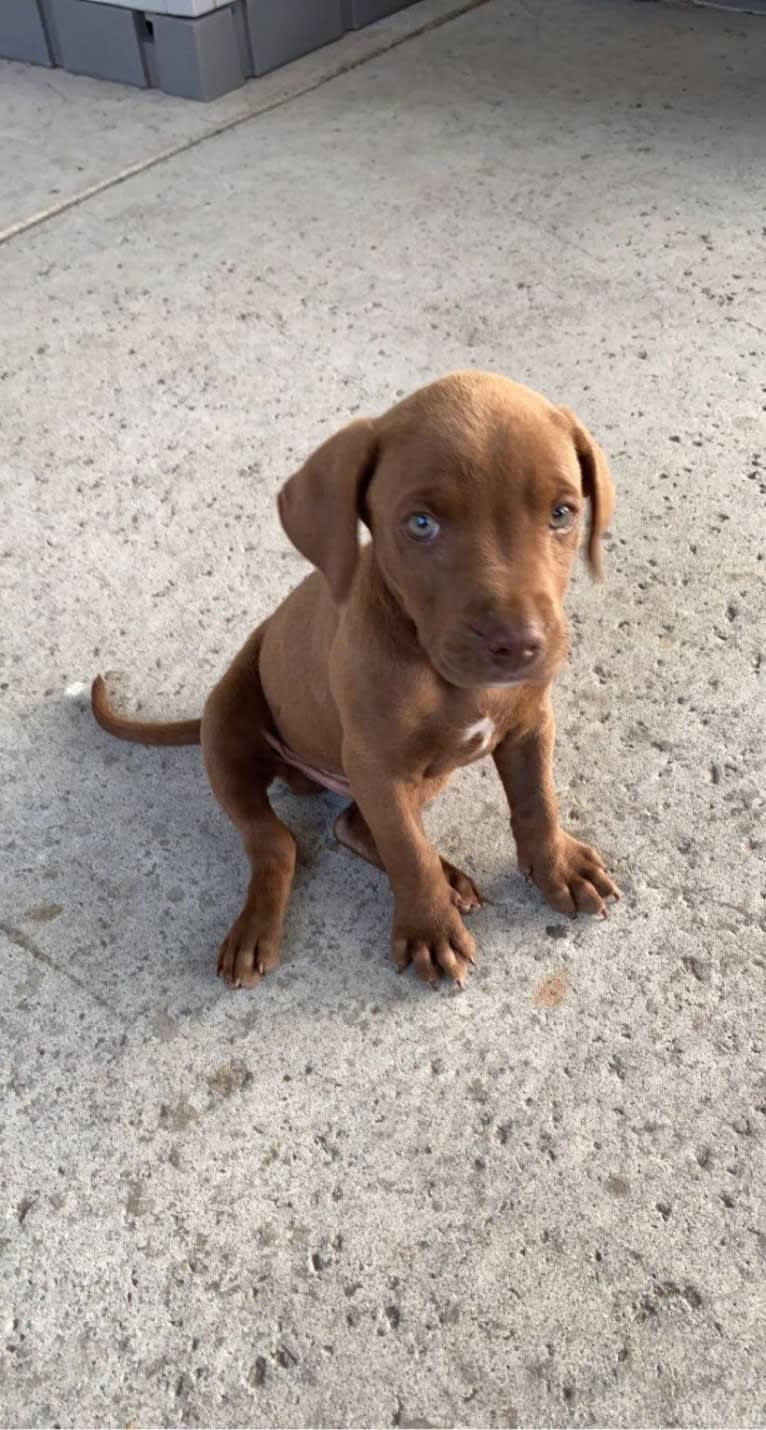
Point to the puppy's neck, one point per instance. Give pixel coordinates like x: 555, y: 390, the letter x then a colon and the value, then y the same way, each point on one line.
x: 387, y: 608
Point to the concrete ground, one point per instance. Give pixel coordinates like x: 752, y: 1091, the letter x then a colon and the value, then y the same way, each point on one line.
x: 341, y: 1199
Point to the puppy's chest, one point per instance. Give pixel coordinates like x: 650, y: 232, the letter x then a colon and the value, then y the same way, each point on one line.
x: 462, y: 741
x: 479, y: 738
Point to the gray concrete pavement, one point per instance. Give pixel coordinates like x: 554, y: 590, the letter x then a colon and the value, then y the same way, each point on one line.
x: 341, y: 1199
x: 66, y: 136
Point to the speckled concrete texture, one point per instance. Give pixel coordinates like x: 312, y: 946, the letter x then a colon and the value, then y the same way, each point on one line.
x: 342, y: 1199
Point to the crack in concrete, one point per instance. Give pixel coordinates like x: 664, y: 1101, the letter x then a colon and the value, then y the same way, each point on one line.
x: 22, y: 940
x: 393, y: 42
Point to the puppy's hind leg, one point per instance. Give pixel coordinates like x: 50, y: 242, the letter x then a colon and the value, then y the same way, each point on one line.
x: 240, y: 766
x: 352, y: 830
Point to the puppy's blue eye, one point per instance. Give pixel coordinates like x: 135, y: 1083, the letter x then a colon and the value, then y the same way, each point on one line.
x: 422, y: 527
x: 562, y: 517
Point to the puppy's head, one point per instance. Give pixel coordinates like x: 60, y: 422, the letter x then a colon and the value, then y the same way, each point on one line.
x: 474, y: 490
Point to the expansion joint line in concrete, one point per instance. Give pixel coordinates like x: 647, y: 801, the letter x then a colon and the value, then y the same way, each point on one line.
x: 390, y: 43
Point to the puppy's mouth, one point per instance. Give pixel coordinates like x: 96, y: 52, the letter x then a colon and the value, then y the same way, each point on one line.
x: 469, y: 673
x: 468, y: 667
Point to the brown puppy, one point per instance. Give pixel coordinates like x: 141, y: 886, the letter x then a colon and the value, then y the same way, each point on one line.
x: 396, y: 662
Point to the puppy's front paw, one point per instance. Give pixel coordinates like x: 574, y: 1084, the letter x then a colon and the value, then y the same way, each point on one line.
x: 434, y: 942
x: 571, y: 875
x: 250, y: 950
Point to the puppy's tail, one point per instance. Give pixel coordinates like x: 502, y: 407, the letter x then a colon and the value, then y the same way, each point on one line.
x: 140, y: 732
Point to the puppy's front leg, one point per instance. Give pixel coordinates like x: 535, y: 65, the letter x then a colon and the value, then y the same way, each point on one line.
x: 571, y: 875
x: 428, y: 931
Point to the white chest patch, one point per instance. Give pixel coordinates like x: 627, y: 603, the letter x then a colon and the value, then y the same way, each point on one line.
x: 480, y: 730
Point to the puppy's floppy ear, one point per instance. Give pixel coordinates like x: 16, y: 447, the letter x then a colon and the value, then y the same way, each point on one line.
x: 321, y: 504
x: 597, y: 486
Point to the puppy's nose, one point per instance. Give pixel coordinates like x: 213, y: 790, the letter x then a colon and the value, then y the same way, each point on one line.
x: 513, y: 645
